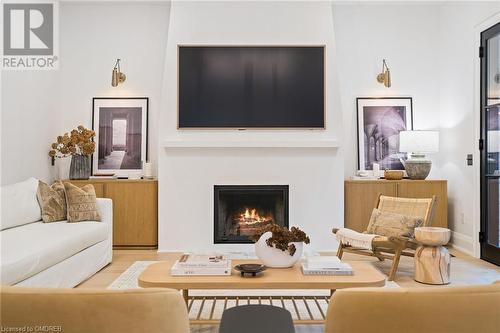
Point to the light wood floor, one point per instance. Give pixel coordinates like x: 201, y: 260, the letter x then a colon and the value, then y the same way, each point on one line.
x: 464, y: 270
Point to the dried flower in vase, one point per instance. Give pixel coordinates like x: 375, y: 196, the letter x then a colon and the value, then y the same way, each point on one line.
x: 78, y: 142
x: 282, y: 237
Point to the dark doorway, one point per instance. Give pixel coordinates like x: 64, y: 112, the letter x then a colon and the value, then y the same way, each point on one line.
x: 490, y: 144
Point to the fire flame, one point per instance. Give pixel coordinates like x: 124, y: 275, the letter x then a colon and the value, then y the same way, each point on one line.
x: 251, y: 216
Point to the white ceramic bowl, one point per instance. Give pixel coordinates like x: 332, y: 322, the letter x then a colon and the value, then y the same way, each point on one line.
x: 432, y: 236
x: 275, y: 258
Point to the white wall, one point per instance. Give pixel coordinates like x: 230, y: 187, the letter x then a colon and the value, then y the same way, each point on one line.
x: 30, y: 121
x: 93, y: 36
x: 187, y: 176
x: 365, y: 34
x: 457, y: 63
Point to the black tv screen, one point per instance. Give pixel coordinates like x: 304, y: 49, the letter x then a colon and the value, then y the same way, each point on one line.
x: 251, y: 87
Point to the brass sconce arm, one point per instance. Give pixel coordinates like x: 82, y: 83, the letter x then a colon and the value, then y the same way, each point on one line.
x: 117, y: 76
x: 385, y: 76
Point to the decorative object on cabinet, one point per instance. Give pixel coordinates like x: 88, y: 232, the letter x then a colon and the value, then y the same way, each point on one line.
x: 432, y: 260
x: 417, y: 143
x: 147, y: 170
x: 117, y: 76
x: 135, y: 210
x: 392, y: 247
x: 393, y: 174
x: 361, y: 195
x: 121, y: 127
x: 79, y: 145
x: 379, y: 122
x: 385, y: 76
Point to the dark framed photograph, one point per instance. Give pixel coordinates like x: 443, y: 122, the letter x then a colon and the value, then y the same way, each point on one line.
x: 379, y: 122
x: 121, y: 126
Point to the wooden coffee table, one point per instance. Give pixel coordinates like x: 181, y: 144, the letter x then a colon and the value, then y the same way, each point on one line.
x: 158, y: 275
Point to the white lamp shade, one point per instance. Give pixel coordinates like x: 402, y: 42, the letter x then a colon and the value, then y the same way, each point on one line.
x: 419, y: 141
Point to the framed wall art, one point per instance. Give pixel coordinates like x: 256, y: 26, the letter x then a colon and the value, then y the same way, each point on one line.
x: 121, y: 126
x: 379, y: 122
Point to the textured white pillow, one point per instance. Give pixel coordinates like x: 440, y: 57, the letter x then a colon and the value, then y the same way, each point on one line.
x: 19, y: 204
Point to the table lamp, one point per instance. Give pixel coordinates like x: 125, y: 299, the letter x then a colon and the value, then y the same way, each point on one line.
x: 417, y: 144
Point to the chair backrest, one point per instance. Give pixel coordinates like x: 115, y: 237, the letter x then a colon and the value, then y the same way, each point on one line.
x: 414, y: 310
x: 85, y: 310
x: 419, y: 207
x: 256, y: 318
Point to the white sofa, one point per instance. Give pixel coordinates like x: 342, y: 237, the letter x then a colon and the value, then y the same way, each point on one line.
x: 57, y: 254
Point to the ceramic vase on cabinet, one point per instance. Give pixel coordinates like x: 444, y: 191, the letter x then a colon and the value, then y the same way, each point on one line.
x: 275, y: 258
x: 80, y: 167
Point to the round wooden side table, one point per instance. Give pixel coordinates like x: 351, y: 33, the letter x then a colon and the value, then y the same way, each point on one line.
x: 432, y: 259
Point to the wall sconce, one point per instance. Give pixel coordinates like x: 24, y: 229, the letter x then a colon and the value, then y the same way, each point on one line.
x: 385, y: 76
x: 117, y: 76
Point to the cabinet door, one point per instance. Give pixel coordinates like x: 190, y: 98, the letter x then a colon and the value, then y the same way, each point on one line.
x: 426, y: 189
x: 135, y: 213
x: 360, y: 199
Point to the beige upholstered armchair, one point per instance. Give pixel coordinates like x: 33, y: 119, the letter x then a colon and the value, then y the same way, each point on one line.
x: 393, y: 247
x: 100, y: 311
x: 464, y: 309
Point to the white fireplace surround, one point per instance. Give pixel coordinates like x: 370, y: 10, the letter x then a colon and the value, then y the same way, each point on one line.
x: 191, y: 162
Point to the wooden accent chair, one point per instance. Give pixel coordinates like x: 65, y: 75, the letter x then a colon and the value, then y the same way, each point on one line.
x: 392, y: 248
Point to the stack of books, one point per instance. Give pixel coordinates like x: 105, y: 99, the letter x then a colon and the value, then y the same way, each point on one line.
x: 325, y: 265
x: 192, y: 264
x: 103, y: 176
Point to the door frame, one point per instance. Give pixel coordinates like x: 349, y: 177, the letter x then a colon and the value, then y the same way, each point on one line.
x: 476, y: 225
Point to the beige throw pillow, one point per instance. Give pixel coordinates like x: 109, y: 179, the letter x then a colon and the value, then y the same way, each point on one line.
x: 392, y: 224
x: 52, y: 201
x: 82, y: 204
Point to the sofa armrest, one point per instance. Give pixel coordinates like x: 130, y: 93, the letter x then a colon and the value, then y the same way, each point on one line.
x: 105, y: 207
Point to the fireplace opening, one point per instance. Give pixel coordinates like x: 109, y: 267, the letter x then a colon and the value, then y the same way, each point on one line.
x: 240, y: 210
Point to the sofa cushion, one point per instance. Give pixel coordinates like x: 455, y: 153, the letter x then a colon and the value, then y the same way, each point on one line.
x: 81, y: 202
x: 19, y: 204
x: 29, y: 249
x: 52, y: 200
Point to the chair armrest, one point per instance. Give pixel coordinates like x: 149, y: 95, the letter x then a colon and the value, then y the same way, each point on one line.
x: 391, y: 242
x: 105, y: 207
x: 399, y: 239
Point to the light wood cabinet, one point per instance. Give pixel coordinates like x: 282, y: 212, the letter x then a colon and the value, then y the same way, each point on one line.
x: 360, y: 197
x: 135, y: 210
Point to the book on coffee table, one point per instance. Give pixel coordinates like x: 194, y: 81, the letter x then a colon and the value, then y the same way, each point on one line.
x: 179, y: 270
x: 343, y: 269
x: 322, y: 262
x: 202, y: 261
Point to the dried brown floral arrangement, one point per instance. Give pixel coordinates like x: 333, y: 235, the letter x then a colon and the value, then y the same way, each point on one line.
x: 78, y: 142
x: 282, y: 237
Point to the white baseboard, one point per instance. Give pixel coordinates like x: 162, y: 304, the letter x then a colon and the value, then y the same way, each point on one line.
x: 462, y: 243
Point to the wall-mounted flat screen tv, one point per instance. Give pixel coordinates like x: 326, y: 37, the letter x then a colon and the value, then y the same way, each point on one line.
x: 251, y: 87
